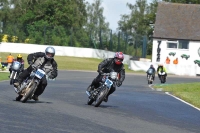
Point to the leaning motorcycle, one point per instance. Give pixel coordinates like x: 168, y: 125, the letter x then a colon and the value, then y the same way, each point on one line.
x: 150, y: 76
x: 15, y: 71
x: 30, y: 84
x: 100, y: 93
x: 162, y: 77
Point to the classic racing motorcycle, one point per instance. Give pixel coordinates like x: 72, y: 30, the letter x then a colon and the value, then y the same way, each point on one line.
x: 150, y: 76
x: 30, y: 84
x: 15, y: 71
x: 100, y: 93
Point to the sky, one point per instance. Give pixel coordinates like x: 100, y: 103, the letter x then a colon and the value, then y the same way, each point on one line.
x: 113, y: 9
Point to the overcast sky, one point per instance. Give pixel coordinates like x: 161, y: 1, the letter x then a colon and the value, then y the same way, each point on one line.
x: 113, y: 9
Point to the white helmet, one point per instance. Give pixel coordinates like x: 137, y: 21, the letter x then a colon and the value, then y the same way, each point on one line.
x: 49, y: 53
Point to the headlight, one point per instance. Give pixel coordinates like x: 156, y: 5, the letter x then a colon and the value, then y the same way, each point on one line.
x: 113, y: 75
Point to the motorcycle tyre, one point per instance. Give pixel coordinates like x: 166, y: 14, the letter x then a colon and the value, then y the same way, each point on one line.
x: 29, y: 93
x: 100, y: 99
x: 162, y: 79
x: 12, y: 81
x: 90, y: 101
x: 149, y: 80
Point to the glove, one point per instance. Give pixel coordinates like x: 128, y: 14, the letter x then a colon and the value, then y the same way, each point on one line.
x: 34, y: 67
x: 100, y: 71
x: 30, y: 62
x: 51, y: 76
x: 118, y: 83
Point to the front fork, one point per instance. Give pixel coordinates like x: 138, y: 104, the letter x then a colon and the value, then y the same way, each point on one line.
x: 13, y: 75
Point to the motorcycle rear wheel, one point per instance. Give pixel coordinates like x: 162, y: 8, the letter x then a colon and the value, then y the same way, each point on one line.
x: 29, y: 92
x: 150, y: 78
x: 101, y: 96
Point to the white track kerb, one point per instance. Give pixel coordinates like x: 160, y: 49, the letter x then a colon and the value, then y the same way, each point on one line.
x: 160, y: 89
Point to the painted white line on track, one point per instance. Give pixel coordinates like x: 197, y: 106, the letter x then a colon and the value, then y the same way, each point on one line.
x: 160, y: 89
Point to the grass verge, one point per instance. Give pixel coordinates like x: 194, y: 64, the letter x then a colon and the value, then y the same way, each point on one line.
x: 4, y: 76
x: 70, y: 63
x: 189, y: 92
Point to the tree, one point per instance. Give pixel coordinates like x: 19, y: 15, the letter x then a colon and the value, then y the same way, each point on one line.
x: 97, y: 28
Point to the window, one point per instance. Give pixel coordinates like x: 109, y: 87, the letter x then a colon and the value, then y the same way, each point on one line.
x: 172, y: 44
x: 183, y: 44
x: 180, y: 44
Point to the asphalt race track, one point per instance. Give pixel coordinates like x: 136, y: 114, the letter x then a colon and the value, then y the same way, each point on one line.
x: 133, y: 108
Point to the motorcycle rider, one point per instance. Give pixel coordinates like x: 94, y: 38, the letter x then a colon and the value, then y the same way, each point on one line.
x: 161, y: 68
x: 39, y: 60
x: 107, y: 66
x: 19, y: 59
x: 153, y: 71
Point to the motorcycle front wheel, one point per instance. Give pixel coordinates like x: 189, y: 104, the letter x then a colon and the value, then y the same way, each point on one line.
x: 28, y: 92
x: 162, y: 79
x: 102, y: 94
x: 11, y: 81
x: 90, y: 101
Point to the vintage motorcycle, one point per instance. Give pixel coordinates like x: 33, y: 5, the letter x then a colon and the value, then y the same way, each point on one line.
x: 150, y: 76
x: 162, y: 76
x: 30, y: 84
x: 15, y: 71
x: 100, y: 93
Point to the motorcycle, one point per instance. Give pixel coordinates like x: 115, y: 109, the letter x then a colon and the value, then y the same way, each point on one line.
x: 30, y: 84
x: 15, y: 71
x: 162, y: 77
x: 150, y: 76
x: 100, y: 93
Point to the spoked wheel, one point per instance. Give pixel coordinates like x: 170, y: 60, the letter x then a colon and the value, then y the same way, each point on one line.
x: 28, y: 92
x: 101, y: 96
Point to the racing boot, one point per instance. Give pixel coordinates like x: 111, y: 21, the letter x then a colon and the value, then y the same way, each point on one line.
x: 106, y: 99
x: 35, y: 97
x: 17, y: 85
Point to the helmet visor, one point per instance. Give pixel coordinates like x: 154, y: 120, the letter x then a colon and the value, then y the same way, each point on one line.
x: 49, y: 55
x: 118, y: 60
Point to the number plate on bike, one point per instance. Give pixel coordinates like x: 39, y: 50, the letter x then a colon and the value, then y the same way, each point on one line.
x: 39, y: 73
x: 108, y: 83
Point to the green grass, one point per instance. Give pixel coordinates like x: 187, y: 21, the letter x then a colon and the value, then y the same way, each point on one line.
x: 67, y: 63
x: 189, y: 92
x: 70, y: 63
x: 4, y: 76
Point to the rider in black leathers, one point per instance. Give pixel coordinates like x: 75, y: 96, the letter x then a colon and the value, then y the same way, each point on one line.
x: 107, y: 66
x: 39, y: 60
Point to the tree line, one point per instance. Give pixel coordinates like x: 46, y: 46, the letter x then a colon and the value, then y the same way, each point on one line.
x: 78, y: 23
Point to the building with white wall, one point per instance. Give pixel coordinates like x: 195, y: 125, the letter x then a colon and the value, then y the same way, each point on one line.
x: 176, y: 35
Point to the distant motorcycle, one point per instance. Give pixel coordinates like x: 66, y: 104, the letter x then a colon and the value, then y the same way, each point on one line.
x: 100, y: 93
x: 15, y: 71
x: 150, y: 76
x: 162, y: 77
